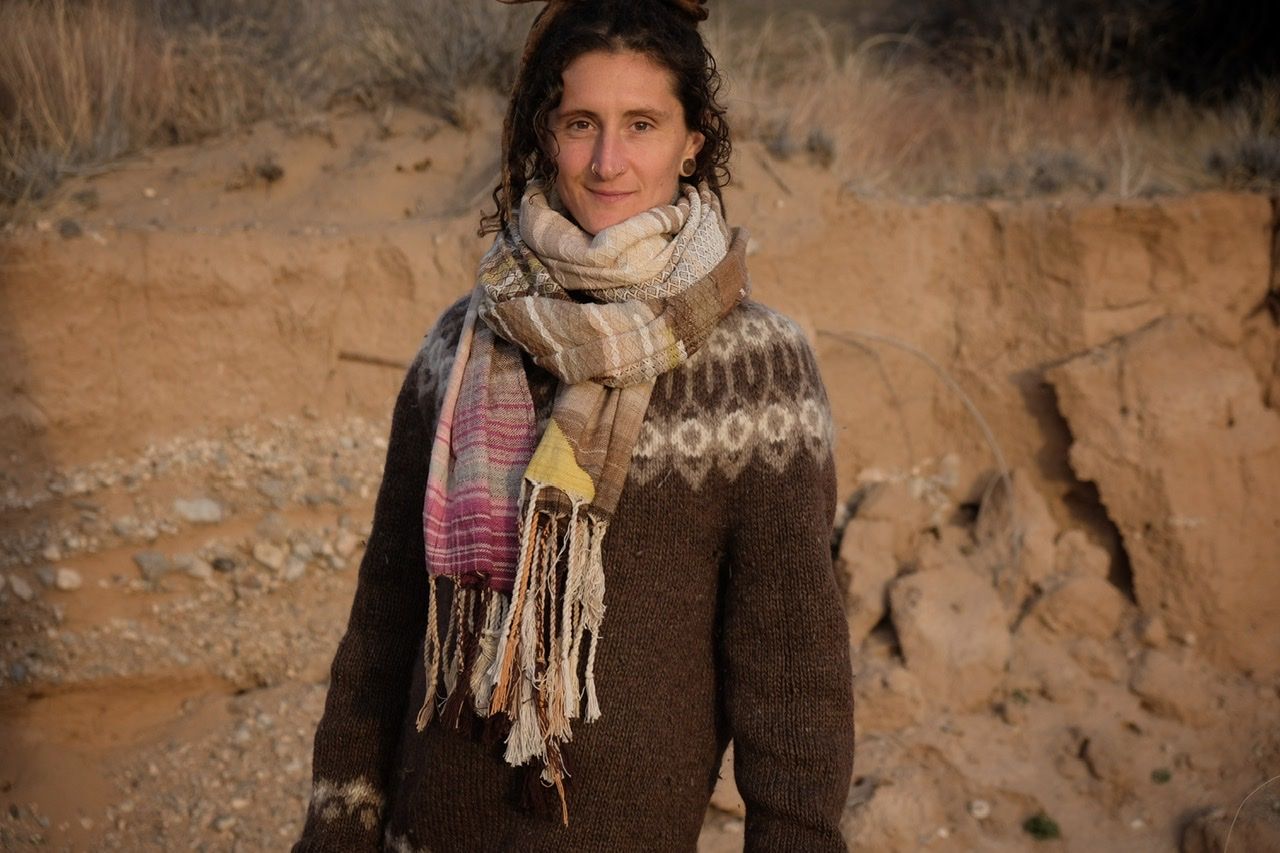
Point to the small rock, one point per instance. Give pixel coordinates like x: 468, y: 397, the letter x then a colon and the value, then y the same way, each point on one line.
x: 224, y: 564
x: 1113, y: 759
x: 52, y: 553
x: 346, y: 543
x: 152, y: 564
x: 192, y: 566
x: 269, y: 555
x: 1173, y: 688
x: 896, y: 815
x: 47, y: 576
x: 90, y: 199
x: 980, y: 809
x: 68, y: 580
x: 953, y: 632
x: 224, y: 823
x: 867, y: 552
x: 893, y: 502
x: 1097, y: 659
x: 199, y: 569
x: 1016, y: 534
x: 199, y: 510
x: 273, y: 528
x: 294, y: 568
x: 1039, y: 661
x: 1074, y: 553
x: 21, y: 588
x: 1206, y: 831
x: 17, y: 671
x: 1081, y: 605
x: 1151, y: 631
x: 276, y: 491
x: 69, y: 229
x: 887, y: 698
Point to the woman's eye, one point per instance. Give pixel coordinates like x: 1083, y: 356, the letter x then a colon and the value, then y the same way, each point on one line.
x: 642, y: 126
x: 580, y: 124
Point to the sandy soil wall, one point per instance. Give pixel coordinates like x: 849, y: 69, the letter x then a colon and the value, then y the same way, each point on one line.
x: 109, y: 343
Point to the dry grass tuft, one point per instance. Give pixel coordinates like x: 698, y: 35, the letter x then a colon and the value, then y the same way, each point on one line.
x: 84, y: 82
x: 1021, y: 120
x: 71, y: 86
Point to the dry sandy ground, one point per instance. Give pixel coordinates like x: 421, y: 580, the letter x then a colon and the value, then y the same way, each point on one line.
x: 198, y: 419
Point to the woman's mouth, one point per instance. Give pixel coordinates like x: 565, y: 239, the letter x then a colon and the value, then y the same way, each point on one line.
x: 609, y: 196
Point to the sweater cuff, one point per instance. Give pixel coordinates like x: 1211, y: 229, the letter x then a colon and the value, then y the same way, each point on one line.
x: 343, y: 817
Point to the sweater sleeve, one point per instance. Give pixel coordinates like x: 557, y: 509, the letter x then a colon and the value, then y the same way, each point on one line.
x: 785, y: 642
x: 357, y: 736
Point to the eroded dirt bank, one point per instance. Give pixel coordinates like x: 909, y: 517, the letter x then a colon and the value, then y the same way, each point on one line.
x: 198, y: 365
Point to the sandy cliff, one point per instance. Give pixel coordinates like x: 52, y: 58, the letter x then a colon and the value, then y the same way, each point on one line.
x: 1024, y: 644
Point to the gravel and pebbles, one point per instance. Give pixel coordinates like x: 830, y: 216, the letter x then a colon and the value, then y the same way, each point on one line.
x: 220, y: 567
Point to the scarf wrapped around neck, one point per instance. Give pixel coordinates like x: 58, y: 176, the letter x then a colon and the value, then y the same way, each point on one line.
x: 517, y: 519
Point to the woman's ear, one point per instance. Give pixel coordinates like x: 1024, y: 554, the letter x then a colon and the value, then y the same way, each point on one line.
x: 694, y: 145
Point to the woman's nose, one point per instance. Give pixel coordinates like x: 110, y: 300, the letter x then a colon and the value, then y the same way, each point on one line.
x: 609, y: 161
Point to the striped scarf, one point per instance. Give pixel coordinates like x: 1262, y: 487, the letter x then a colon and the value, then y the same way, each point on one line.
x: 516, y: 520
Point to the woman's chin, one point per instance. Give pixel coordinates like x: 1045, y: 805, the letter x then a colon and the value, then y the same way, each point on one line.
x: 593, y: 216
x: 596, y: 221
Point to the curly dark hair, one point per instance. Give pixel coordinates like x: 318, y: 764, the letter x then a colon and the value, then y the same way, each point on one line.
x: 666, y: 31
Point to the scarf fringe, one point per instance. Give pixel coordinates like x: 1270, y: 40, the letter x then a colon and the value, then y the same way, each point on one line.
x: 430, y: 657
x: 521, y: 655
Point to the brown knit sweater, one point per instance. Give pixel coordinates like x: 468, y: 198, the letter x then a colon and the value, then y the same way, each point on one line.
x: 723, y: 621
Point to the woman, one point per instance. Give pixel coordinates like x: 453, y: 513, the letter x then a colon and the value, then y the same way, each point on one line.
x: 483, y: 698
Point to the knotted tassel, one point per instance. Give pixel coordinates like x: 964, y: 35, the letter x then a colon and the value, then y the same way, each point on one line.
x: 593, y: 701
x: 504, y: 665
x: 457, y: 711
x: 525, y: 739
x: 571, y: 612
x: 482, y: 671
x: 593, y: 615
x: 430, y: 657
x: 453, y: 639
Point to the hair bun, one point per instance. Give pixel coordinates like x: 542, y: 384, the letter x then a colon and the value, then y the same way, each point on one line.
x: 694, y: 9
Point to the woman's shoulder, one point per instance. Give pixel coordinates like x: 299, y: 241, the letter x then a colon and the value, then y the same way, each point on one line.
x: 765, y: 344
x: 758, y: 326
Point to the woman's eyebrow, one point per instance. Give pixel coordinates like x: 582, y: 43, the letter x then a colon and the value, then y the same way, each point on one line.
x: 650, y: 112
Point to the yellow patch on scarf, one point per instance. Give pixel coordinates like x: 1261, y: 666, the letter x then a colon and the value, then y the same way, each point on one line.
x: 554, y: 464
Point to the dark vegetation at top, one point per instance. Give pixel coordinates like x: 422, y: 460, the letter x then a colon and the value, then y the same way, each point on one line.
x: 1206, y: 50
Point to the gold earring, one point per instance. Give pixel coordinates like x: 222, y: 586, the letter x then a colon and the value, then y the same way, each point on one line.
x: 688, y: 167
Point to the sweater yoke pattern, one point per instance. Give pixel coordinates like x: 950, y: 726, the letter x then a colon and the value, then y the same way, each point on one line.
x: 752, y: 391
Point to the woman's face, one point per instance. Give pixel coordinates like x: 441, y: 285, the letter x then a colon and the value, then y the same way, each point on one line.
x: 619, y: 138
